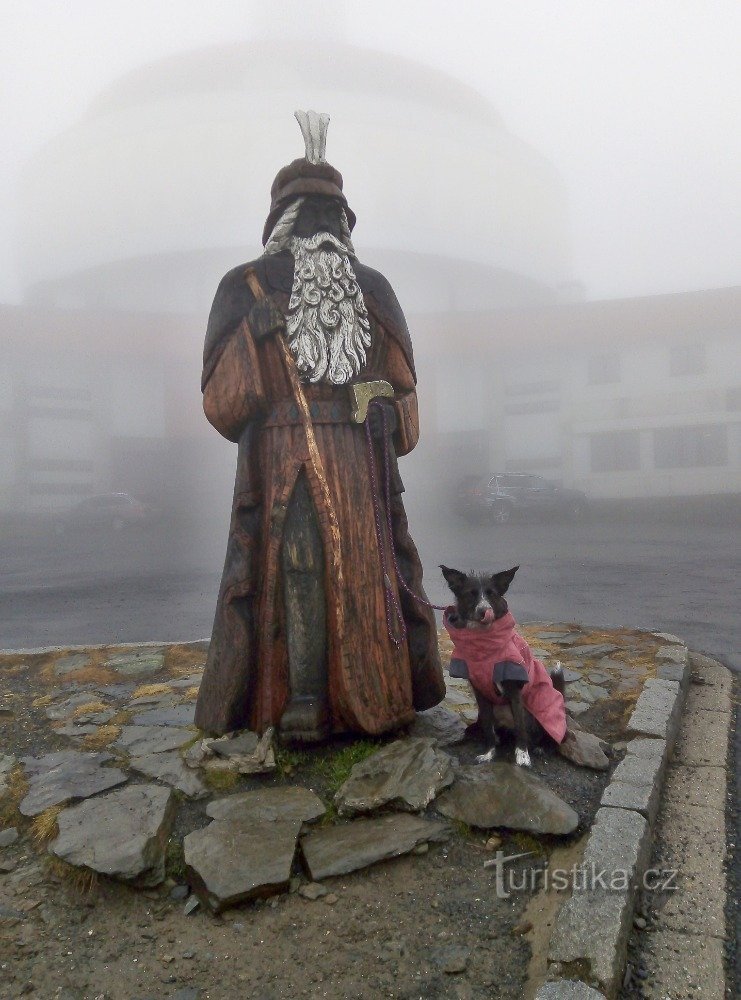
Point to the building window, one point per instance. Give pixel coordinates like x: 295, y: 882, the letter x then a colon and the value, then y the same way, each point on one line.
x: 603, y: 369
x: 687, y: 359
x: 615, y: 451
x: 690, y: 447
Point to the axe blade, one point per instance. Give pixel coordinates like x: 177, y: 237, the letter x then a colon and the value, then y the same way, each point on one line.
x: 364, y: 392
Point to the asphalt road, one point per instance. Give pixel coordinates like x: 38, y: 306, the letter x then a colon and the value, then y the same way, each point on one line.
x: 160, y: 583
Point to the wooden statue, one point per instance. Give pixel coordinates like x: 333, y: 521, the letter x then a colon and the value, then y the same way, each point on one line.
x: 313, y: 633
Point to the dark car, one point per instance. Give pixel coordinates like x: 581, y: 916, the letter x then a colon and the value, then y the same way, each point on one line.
x: 107, y: 510
x: 510, y: 493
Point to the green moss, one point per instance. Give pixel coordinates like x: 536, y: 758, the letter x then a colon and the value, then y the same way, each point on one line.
x: 335, y: 768
x: 222, y: 781
x: 175, y: 860
x: 287, y: 761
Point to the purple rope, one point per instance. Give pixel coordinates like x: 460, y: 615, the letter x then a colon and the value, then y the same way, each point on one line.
x: 389, y: 522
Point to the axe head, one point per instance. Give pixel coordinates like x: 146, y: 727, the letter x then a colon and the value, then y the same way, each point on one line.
x: 364, y: 392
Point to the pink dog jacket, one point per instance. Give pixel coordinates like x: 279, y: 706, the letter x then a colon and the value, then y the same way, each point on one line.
x: 483, y: 648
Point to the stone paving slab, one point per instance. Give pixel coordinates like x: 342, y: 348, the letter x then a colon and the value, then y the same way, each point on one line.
x: 567, y: 989
x: 698, y: 904
x: 337, y: 850
x: 704, y: 740
x: 683, y: 967
x: 121, y: 834
x: 269, y: 805
x: 138, y: 741
x: 68, y: 774
x: 233, y: 860
x: 696, y: 786
x: 593, y: 925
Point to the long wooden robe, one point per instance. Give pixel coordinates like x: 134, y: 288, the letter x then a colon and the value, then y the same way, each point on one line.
x: 373, y: 684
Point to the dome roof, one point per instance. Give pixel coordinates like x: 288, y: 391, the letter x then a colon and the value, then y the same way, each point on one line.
x: 174, y: 162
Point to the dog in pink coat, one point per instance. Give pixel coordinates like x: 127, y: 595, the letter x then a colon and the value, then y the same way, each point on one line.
x: 499, y: 664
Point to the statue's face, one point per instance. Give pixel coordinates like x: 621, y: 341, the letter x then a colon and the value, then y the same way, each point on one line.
x: 318, y: 215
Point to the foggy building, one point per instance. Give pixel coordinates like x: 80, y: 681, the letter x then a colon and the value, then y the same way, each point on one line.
x: 163, y: 185
x: 628, y: 398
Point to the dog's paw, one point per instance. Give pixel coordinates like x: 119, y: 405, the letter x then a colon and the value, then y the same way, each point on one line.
x: 486, y: 758
x: 522, y: 758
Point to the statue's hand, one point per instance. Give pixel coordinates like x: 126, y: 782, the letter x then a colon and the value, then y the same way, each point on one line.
x: 375, y: 417
x: 266, y: 319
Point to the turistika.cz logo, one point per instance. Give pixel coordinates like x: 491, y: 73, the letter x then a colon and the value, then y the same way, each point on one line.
x: 576, y: 879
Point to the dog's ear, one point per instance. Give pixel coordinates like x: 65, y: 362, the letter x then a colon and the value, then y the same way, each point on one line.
x: 502, y: 580
x: 453, y: 577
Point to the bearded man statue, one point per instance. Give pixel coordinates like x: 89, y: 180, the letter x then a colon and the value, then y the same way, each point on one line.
x: 321, y: 624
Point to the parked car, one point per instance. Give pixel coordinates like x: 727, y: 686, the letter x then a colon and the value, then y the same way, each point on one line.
x: 510, y: 493
x: 107, y: 510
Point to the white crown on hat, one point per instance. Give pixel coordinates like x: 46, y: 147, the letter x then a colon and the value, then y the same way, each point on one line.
x: 314, y: 130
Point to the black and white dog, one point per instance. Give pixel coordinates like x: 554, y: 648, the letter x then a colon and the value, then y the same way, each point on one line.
x: 499, y: 665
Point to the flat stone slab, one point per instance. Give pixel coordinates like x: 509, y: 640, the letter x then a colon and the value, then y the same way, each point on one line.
x: 268, y: 805
x: 64, y: 709
x: 406, y: 774
x: 238, y: 859
x: 588, y: 692
x: 69, y: 664
x: 169, y: 768
x: 187, y: 682
x: 440, y: 724
x: 504, y: 795
x: 8, y: 836
x: 139, y: 741
x: 178, y: 715
x: 67, y: 774
x: 140, y: 661
x: 594, y: 649
x: 594, y: 924
x: 657, y: 711
x: 337, y: 850
x: 244, y: 744
x: 122, y: 834
x: 567, y: 989
x: 570, y: 676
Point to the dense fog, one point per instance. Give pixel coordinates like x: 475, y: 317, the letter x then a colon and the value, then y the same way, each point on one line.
x: 552, y: 191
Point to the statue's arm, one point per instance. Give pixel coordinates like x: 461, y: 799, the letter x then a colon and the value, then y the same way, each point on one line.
x: 401, y: 378
x: 233, y: 392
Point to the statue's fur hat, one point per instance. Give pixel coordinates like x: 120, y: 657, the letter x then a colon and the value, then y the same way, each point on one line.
x: 306, y: 176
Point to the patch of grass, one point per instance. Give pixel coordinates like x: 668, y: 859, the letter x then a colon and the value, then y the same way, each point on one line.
x: 102, y: 738
x: 122, y: 718
x: 42, y: 701
x: 44, y: 826
x: 148, y: 690
x: 191, y: 694
x: 82, y: 881
x: 221, y: 781
x: 184, y: 660
x: 335, y: 768
x: 88, y: 708
x: 287, y: 761
x: 16, y: 791
x: 526, y: 842
x: 175, y: 860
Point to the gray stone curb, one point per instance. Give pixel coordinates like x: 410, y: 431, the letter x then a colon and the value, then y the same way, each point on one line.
x: 593, y: 926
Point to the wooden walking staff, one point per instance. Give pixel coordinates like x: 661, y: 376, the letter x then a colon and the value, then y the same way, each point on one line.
x: 318, y: 469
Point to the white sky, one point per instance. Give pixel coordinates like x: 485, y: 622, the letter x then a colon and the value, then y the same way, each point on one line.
x: 636, y: 102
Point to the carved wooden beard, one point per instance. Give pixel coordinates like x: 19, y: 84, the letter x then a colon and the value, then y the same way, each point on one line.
x: 327, y: 323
